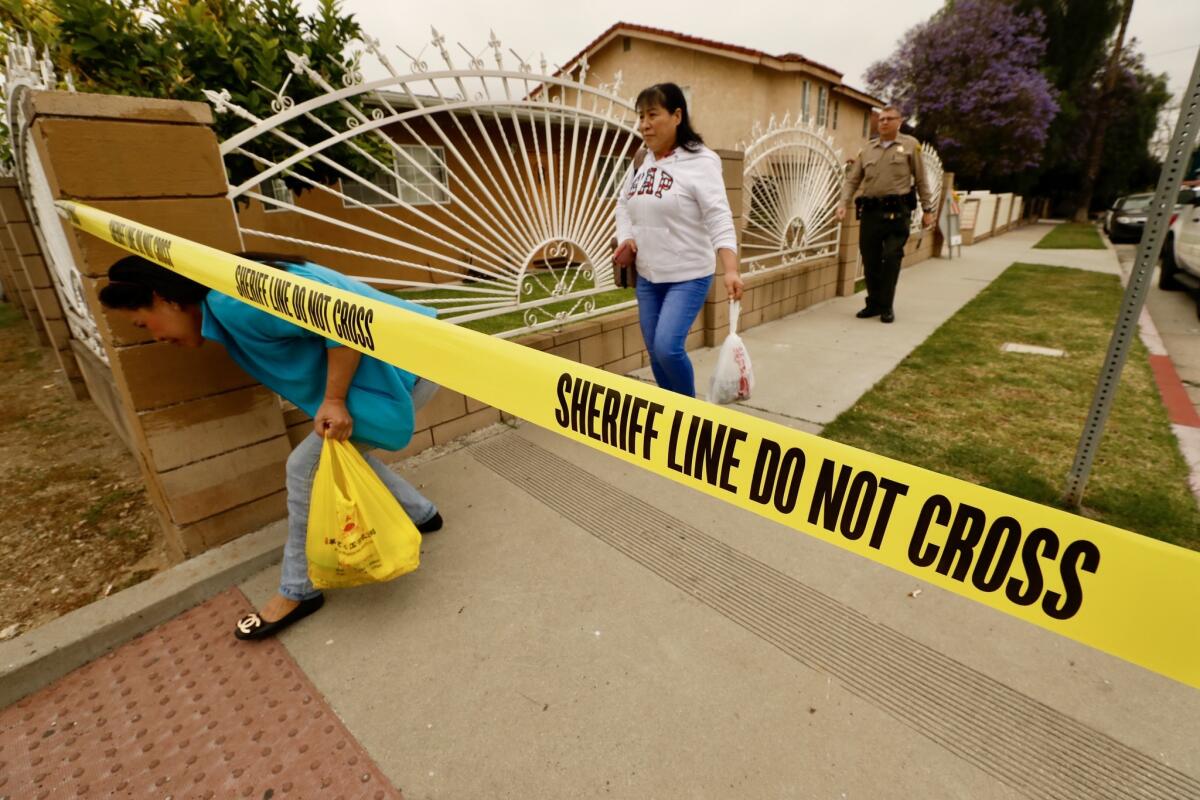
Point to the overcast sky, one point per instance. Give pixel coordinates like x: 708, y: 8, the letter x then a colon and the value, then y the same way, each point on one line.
x: 847, y: 35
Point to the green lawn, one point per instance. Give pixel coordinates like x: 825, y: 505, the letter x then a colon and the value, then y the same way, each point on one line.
x: 1072, y: 236
x: 1009, y: 421
x: 516, y: 319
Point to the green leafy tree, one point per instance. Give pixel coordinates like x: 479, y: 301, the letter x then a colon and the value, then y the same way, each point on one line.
x: 1079, y: 36
x: 178, y: 48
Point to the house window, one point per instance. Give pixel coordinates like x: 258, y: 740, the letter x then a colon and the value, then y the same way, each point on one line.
x: 413, y: 186
x: 804, y: 114
x: 836, y: 105
x: 626, y: 43
x: 866, y: 122
x: 822, y: 106
x: 419, y: 187
x: 277, y: 189
x: 610, y: 175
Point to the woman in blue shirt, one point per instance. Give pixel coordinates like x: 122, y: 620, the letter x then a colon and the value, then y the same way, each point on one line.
x: 348, y: 395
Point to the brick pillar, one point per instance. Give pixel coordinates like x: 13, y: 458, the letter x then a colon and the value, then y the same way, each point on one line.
x: 8, y: 278
x: 848, y: 256
x: 14, y: 237
x: 714, y: 318
x: 210, y: 441
x: 47, y: 309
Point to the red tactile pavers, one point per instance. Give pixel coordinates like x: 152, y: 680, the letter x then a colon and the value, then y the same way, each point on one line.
x: 185, y: 711
x: 1174, y: 396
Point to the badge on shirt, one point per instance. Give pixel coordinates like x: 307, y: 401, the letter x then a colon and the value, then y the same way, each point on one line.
x: 899, y: 148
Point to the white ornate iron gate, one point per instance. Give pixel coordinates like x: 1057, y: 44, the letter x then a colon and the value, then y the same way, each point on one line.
x: 482, y: 191
x: 25, y: 71
x: 934, y: 175
x: 793, y: 177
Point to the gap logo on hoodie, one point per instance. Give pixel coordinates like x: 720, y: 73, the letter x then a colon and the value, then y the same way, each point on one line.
x: 646, y: 184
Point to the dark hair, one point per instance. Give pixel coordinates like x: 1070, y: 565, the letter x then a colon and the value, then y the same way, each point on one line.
x: 133, y: 282
x: 670, y: 97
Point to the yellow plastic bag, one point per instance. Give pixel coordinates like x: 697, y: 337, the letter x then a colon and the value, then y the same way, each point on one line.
x: 357, y: 532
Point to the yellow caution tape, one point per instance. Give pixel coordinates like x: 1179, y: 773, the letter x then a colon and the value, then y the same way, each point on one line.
x: 1134, y: 597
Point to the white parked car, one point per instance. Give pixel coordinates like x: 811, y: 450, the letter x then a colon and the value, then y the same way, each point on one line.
x: 1181, y: 250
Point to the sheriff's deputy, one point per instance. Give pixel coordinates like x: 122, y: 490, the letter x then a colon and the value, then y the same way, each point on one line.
x: 892, y: 173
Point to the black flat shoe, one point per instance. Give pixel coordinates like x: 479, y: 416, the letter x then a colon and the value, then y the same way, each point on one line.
x: 887, y: 316
x: 432, y: 524
x: 867, y: 313
x: 253, y: 626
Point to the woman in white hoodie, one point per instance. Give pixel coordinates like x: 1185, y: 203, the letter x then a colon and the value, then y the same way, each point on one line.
x: 675, y: 216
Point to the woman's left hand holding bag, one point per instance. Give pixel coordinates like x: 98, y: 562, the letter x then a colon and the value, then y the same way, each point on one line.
x: 734, y: 285
x: 333, y: 420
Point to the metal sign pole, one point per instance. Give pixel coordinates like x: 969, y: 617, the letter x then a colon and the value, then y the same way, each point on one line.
x: 1174, y: 166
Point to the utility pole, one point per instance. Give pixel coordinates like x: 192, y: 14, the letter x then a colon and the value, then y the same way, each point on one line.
x: 1097, y: 149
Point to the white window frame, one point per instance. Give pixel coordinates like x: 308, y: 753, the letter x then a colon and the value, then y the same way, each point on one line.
x: 837, y: 104
x: 687, y: 99
x: 822, y: 106
x: 609, y: 180
x: 277, y: 189
x: 805, y: 115
x: 866, y: 123
x: 391, y: 182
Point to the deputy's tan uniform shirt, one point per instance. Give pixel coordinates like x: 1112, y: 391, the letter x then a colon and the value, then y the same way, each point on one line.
x: 888, y: 170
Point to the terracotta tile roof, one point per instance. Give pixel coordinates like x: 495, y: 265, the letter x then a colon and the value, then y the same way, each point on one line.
x: 696, y: 40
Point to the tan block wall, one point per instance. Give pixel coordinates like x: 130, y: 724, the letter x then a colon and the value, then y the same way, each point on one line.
x: 46, y: 313
x: 211, y: 442
x: 14, y: 237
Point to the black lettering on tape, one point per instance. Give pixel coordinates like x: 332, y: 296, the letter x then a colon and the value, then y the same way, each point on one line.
x: 935, y: 511
x: 861, y: 499
x: 766, y: 466
x: 652, y: 412
x: 162, y: 250
x: 996, y: 554
x: 891, y: 490
x: 828, y: 496
x: 1040, y: 543
x: 730, y: 459
x: 1080, y: 555
x: 562, y: 414
x: 593, y: 411
x: 608, y: 418
x: 959, y: 549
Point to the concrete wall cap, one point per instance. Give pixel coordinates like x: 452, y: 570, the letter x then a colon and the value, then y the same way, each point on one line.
x: 109, y: 106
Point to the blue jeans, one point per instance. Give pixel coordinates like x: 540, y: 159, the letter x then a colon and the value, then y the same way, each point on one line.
x: 302, y: 468
x: 667, y: 311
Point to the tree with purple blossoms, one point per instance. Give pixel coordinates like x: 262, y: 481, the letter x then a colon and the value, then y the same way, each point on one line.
x: 969, y: 81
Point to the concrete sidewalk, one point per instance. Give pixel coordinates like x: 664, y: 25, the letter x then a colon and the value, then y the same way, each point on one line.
x: 813, y: 365
x: 583, y: 629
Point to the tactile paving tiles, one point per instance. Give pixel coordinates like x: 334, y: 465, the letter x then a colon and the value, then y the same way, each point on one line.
x: 185, y: 712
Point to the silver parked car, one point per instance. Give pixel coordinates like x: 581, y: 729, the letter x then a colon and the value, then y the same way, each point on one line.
x: 1181, y: 251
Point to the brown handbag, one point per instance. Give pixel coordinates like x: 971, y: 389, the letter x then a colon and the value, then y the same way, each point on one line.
x: 625, y: 267
x: 624, y: 259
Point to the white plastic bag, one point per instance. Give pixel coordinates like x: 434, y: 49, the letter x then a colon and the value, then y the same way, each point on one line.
x: 733, y: 379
